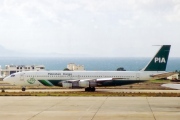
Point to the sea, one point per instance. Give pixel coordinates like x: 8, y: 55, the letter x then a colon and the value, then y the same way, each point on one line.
x: 90, y: 63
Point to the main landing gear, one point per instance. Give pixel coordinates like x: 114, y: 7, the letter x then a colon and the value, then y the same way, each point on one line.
x: 23, y: 89
x: 2, y: 90
x: 90, y: 89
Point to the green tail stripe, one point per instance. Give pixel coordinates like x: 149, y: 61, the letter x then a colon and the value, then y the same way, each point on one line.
x: 46, y: 82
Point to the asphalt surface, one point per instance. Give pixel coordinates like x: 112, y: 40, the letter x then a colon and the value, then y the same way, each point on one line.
x: 89, y: 108
x: 170, y: 85
x: 97, y: 90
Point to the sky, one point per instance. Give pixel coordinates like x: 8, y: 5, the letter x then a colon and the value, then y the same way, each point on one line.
x: 99, y: 28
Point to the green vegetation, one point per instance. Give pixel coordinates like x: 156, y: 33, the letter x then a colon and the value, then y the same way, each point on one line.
x: 121, y: 69
x: 101, y: 94
x: 66, y: 69
x: 160, y: 81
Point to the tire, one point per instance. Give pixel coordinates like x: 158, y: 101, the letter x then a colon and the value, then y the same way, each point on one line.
x: 3, y: 90
x: 93, y: 89
x: 89, y: 89
x: 23, y: 89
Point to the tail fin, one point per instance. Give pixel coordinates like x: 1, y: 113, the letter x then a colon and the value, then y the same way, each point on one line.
x: 159, y: 61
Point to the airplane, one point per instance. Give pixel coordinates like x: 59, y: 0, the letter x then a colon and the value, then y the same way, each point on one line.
x: 91, y: 79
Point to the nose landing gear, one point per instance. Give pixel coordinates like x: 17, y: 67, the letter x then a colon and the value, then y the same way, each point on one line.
x: 2, y: 90
x: 23, y: 89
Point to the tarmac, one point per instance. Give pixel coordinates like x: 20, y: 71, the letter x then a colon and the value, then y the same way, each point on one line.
x: 97, y: 90
x: 89, y: 108
x: 173, y: 86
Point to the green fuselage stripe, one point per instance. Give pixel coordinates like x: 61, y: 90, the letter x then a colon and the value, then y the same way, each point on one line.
x: 46, y: 83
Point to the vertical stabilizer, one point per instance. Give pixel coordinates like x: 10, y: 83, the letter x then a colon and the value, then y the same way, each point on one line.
x: 159, y: 61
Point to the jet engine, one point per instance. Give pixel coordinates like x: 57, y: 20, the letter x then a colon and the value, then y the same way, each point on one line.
x: 79, y: 83
x: 69, y: 84
x: 87, y: 83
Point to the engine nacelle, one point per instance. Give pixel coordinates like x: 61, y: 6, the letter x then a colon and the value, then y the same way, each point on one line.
x: 77, y: 84
x: 87, y: 83
x: 84, y: 84
x: 67, y: 85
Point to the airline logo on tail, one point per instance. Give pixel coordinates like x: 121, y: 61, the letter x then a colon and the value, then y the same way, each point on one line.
x: 159, y: 60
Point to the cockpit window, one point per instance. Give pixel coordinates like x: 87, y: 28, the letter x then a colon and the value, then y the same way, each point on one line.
x: 12, y: 75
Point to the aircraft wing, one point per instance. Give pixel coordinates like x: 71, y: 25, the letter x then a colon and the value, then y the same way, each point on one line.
x: 97, y: 80
x: 104, y: 79
x: 163, y: 75
x: 85, y: 82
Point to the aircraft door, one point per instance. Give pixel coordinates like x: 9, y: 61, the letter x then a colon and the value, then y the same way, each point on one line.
x: 70, y: 77
x: 22, y: 77
x: 138, y: 76
x: 79, y: 76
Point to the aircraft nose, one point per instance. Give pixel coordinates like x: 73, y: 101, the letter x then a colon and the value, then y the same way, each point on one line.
x: 7, y: 79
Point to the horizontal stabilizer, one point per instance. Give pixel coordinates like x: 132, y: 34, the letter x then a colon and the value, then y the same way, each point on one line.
x: 163, y: 75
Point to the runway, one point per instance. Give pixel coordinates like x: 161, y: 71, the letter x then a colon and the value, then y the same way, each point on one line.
x: 170, y: 85
x: 89, y: 108
x: 97, y: 90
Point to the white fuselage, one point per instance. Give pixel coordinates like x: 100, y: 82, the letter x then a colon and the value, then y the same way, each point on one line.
x: 39, y: 78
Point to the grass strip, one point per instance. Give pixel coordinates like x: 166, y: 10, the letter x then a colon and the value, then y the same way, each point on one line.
x: 96, y: 94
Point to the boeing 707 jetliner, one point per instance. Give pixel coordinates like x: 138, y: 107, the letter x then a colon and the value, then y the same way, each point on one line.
x: 91, y: 79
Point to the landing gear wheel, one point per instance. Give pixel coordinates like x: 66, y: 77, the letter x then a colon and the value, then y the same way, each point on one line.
x: 23, y: 89
x: 93, y: 89
x: 86, y: 89
x: 3, y: 90
x: 90, y: 89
